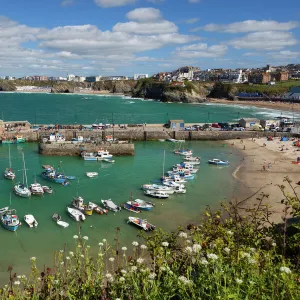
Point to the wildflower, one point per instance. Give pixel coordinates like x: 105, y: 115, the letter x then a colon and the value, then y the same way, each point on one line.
x: 19, y: 276
x: 71, y: 253
x: 124, y: 248
x: 229, y: 232
x: 184, y: 280
x: 108, y: 275
x: 88, y: 246
x: 285, y: 270
x: 78, y: 246
x: 144, y: 247
x: 67, y: 258
x: 23, y: 276
x: 122, y: 279
x: 273, y: 244
x: 163, y: 268
x: 227, y: 250
x: 75, y: 237
x: 82, y: 255
x: 33, y: 258
x: 133, y: 268
x: 124, y: 272
x: 100, y: 244
x: 56, y: 281
x: 165, y: 244
x: 104, y: 240
x: 17, y: 282
x: 212, y: 256
x: 61, y: 251
x: 203, y: 261
x: 239, y: 281
x: 39, y: 279
x: 182, y: 235
x: 135, y: 244
x: 152, y: 276
x: 252, y: 250
x: 196, y: 248
x: 252, y: 261
x: 86, y: 238
x: 245, y: 255
x: 188, y: 250
x: 188, y: 241
x: 62, y: 263
x: 118, y: 299
x: 140, y: 260
x: 112, y: 259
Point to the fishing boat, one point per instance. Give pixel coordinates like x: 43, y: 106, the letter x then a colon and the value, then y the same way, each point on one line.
x: 47, y: 189
x: 173, y: 178
x: 78, y: 204
x: 131, y: 207
x: 141, y: 204
x: 57, y: 219
x: 52, y: 175
x: 97, y: 209
x: 186, y: 152
x: 8, y: 173
x: 103, y: 155
x: 21, y: 189
x: 91, y: 174
x: 14, y: 140
x: 111, y: 205
x: 192, y: 159
x: 89, y: 156
x: 157, y: 187
x: 143, y: 224
x: 156, y: 194
x: 31, y: 221
x: 173, y: 184
x: 4, y: 209
x: 36, y: 189
x: 75, y: 214
x: 10, y: 220
x: 218, y: 162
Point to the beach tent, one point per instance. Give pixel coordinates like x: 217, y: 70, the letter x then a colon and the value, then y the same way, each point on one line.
x: 284, y: 139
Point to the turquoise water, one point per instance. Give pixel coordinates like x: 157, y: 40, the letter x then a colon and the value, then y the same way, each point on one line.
x: 87, y: 109
x: 116, y: 181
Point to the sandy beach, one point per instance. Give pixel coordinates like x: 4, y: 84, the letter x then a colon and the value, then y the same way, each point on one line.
x: 284, y: 106
x: 278, y: 164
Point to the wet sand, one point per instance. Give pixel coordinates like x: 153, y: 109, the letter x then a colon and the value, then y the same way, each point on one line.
x: 278, y: 164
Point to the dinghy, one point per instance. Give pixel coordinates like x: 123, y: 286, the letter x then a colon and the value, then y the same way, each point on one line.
x: 91, y: 174
x: 47, y: 189
x: 108, y: 160
x: 218, y: 162
x: 97, y: 209
x: 156, y: 194
x: 57, y: 219
x: 75, y: 214
x: 31, y: 221
x: 3, y: 210
x: 143, y: 224
x: 110, y: 205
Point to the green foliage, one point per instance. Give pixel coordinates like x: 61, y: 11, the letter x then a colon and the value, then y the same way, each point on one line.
x: 239, y: 256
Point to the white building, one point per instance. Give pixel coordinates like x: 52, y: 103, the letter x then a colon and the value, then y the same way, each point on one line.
x: 140, y: 76
x: 79, y: 79
x: 70, y: 77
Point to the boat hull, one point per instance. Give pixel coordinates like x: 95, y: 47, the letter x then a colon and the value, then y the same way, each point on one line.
x: 55, y: 180
x: 10, y: 228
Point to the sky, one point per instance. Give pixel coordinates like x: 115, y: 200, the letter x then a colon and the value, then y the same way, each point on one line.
x: 126, y: 37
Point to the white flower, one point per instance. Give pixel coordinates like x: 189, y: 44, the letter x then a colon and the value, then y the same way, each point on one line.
x: 188, y: 241
x: 285, y: 270
x: 252, y: 250
x: 108, y: 275
x: 75, y: 237
x: 251, y: 282
x: 229, y: 232
x: 196, y: 248
x: 239, y: 281
x: 23, y: 276
x: 82, y: 255
x: 67, y: 258
x: 188, y: 249
x: 203, y: 261
x: 163, y: 268
x: 122, y: 279
x: 144, y: 247
x: 17, y: 282
x: 62, y: 263
x: 118, y: 299
x: 251, y: 261
x: 165, y: 244
x: 212, y: 256
x: 33, y: 258
x: 273, y: 244
x: 61, y: 251
x: 182, y: 235
x: 104, y: 240
x: 133, y: 268
x: 100, y: 244
x: 71, y: 253
x: 86, y: 238
x: 56, y: 281
x: 124, y: 272
x: 245, y: 255
x: 227, y: 250
x: 78, y: 246
x: 135, y: 244
x: 88, y: 246
x: 39, y: 278
x: 152, y: 276
x: 140, y: 260
x: 19, y: 276
x: 184, y: 280
x: 112, y: 259
x: 124, y: 248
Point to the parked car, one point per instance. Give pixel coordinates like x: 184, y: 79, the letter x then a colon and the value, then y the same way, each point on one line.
x: 223, y: 125
x: 238, y: 129
x: 215, y: 125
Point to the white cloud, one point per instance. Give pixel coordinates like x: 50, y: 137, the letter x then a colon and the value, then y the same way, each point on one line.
x: 67, y: 2
x: 113, y: 3
x: 192, y: 20
x: 251, y: 54
x: 144, y: 15
x: 285, y: 54
x: 269, y: 40
x: 201, y: 50
x: 253, y: 25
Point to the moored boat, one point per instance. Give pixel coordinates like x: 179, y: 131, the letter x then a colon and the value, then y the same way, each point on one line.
x: 143, y: 224
x: 9, y: 174
x: 57, y: 219
x: 52, y: 175
x: 14, y: 140
x: 89, y: 156
x: 75, y: 214
x: 31, y: 221
x: 10, y: 220
x: 131, y: 207
x: 4, y: 209
x: 78, y: 204
x: 218, y: 162
x: 156, y: 187
x: 91, y: 174
x: 142, y: 204
x: 97, y: 209
x: 156, y: 194
x: 103, y: 155
x: 47, y: 189
x: 110, y: 205
x: 21, y: 190
x: 36, y: 189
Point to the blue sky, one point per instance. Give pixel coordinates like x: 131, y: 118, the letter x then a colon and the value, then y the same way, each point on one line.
x: 123, y: 37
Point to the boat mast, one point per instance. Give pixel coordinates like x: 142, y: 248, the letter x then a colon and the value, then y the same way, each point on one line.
x: 26, y: 183
x: 163, y: 174
x: 9, y: 160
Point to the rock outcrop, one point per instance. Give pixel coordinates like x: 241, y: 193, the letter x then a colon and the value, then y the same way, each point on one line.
x: 7, y: 86
x: 62, y: 88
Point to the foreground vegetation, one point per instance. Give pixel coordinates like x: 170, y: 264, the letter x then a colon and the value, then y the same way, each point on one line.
x: 237, y: 257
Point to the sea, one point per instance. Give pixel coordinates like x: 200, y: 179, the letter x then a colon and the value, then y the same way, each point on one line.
x: 119, y: 181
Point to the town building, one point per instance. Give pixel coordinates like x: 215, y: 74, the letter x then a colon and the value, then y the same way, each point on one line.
x: 93, y: 78
x: 248, y: 122
x: 140, y: 76
x: 176, y: 124
x: 70, y: 77
x: 79, y: 79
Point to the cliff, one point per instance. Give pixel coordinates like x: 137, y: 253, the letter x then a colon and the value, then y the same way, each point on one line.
x: 118, y: 86
x: 7, y: 86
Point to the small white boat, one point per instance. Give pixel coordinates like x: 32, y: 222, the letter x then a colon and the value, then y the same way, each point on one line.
x: 21, y: 190
x: 161, y: 140
x: 179, y: 190
x: 103, y: 154
x: 36, y: 189
x: 31, y: 221
x: 144, y: 224
x: 192, y: 159
x: 4, y: 209
x: 157, y: 187
x: 218, y: 162
x: 75, y: 214
x: 108, y: 160
x: 47, y: 189
x: 173, y: 184
x: 91, y: 174
x: 9, y: 174
x: 156, y: 194
x: 111, y: 205
x: 57, y: 218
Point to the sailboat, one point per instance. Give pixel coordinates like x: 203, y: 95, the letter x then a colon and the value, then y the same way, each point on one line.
x: 9, y: 219
x: 8, y: 173
x: 21, y: 189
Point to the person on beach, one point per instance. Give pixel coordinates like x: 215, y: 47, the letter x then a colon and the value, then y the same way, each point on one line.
x: 264, y: 167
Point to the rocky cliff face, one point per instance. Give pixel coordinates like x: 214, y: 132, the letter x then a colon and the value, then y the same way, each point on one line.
x: 118, y: 86
x: 7, y: 86
x: 62, y: 88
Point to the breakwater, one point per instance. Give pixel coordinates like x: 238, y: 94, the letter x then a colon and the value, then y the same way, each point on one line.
x: 74, y: 149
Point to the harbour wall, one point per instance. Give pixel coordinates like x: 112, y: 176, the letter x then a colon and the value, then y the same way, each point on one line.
x: 74, y: 149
